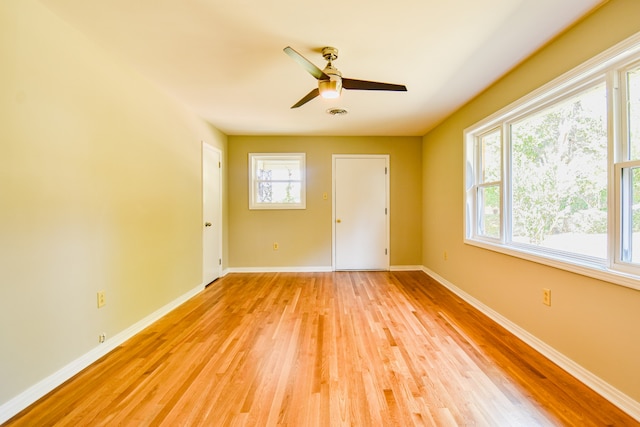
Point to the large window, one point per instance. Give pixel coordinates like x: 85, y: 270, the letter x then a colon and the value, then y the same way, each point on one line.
x: 555, y: 177
x: 277, y: 181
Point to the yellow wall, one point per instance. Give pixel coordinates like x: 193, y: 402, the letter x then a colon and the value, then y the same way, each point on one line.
x: 100, y: 189
x: 304, y: 236
x: 592, y: 322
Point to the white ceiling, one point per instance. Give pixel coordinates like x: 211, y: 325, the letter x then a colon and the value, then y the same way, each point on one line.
x: 224, y: 59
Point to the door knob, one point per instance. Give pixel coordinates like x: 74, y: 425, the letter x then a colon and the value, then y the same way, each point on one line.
x: 338, y: 221
x: 207, y: 224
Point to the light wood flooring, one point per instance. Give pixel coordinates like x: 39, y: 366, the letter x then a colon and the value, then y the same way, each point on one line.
x: 323, y: 349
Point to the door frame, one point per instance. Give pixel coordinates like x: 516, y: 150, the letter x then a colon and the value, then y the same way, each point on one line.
x: 334, y: 157
x: 218, y: 224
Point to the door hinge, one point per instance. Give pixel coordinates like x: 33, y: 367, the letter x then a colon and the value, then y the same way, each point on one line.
x: 385, y: 170
x: 385, y: 252
x: 385, y: 211
x: 219, y: 164
x: 219, y: 261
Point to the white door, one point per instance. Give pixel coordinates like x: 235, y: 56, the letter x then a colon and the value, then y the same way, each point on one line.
x: 361, y: 212
x: 211, y: 214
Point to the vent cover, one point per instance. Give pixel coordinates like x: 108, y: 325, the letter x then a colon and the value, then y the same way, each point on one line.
x: 337, y: 111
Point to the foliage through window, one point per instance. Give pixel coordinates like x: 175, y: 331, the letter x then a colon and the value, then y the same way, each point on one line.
x: 555, y: 177
x: 277, y: 181
x: 559, y: 175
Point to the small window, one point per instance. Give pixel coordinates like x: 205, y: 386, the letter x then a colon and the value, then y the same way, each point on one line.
x: 277, y: 181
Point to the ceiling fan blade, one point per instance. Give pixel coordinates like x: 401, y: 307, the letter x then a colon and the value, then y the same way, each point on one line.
x: 308, y: 65
x: 367, y: 85
x: 315, y: 92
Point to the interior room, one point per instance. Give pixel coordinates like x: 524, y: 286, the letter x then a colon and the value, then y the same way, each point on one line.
x: 115, y: 117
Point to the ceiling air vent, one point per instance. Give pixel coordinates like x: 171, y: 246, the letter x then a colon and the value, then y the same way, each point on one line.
x: 337, y: 111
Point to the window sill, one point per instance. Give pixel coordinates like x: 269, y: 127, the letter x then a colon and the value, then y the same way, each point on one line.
x: 276, y: 207
x: 583, y: 267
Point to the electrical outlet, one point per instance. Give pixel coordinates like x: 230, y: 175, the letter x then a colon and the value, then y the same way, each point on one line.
x: 102, y: 337
x: 275, y: 246
x: 101, y: 299
x: 546, y: 297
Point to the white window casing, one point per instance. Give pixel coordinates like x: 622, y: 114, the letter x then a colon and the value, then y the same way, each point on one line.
x: 277, y: 181
x: 597, y: 101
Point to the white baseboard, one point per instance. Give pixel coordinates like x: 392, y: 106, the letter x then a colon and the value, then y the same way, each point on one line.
x: 36, y: 391
x: 606, y: 390
x: 316, y: 269
x: 312, y: 269
x: 405, y: 268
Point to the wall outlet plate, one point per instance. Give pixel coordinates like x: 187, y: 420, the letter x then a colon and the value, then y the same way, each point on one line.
x: 101, y: 299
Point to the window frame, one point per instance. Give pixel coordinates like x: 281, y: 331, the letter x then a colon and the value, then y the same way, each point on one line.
x: 608, y: 67
x: 254, y: 158
x: 484, y: 185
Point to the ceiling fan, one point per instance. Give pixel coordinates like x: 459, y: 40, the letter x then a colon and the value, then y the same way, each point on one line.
x: 330, y: 80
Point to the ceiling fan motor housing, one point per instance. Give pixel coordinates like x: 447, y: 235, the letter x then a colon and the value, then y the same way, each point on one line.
x: 330, y: 53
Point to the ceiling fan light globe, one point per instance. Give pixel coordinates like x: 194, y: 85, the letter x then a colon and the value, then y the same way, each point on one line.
x: 330, y: 94
x: 330, y: 89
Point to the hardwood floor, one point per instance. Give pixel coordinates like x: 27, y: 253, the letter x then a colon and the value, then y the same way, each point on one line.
x: 324, y: 349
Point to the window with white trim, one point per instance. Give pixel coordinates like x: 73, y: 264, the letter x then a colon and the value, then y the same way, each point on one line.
x: 555, y: 176
x: 277, y: 181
